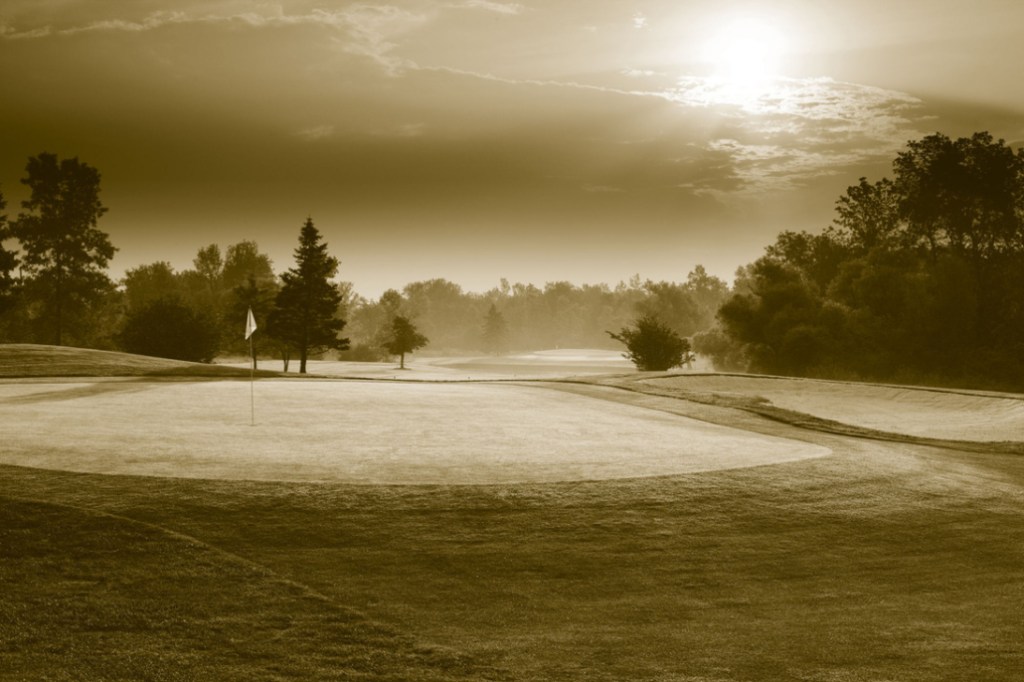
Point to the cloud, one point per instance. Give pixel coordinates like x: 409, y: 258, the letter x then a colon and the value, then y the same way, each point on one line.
x: 316, y: 132
x: 368, y: 30
x: 800, y: 129
x: 510, y: 8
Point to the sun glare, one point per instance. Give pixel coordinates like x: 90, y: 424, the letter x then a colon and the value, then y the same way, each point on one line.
x: 745, y: 57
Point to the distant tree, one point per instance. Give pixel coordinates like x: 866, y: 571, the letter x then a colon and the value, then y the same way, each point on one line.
x: 167, y: 328
x: 148, y: 283
x: 244, y: 260
x: 403, y: 338
x: 305, y: 310
x: 64, y: 253
x: 709, y: 293
x: 209, y: 264
x: 652, y: 345
x: 495, y: 332
x: 671, y: 303
x: 259, y: 296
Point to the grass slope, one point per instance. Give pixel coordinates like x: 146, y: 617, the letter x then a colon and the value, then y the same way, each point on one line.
x: 30, y: 360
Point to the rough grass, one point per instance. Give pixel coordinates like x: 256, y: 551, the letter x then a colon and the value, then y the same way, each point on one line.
x: 30, y: 360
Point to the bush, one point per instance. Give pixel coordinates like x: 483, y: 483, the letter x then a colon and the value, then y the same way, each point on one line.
x: 167, y: 328
x: 653, y: 346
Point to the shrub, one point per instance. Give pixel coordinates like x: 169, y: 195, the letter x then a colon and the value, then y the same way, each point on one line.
x: 652, y: 345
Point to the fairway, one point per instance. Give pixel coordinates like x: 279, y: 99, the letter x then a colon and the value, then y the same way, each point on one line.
x: 363, y: 432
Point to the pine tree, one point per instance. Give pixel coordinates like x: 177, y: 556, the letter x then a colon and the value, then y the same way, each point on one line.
x: 305, y: 311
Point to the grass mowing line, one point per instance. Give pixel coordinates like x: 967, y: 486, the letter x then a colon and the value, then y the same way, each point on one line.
x: 95, y: 595
x: 187, y: 539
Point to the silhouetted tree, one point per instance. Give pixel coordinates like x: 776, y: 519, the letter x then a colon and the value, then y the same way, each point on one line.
x: 167, y: 328
x: 64, y: 252
x: 305, y: 310
x: 403, y: 338
x: 918, y: 277
x: 652, y: 345
x: 967, y: 194
x: 148, y: 283
x: 495, y: 332
x: 8, y: 261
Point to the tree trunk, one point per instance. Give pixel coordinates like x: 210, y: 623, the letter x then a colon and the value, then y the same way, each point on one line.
x: 302, y: 360
x: 401, y: 364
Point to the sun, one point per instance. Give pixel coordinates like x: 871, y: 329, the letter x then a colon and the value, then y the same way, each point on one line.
x: 745, y: 56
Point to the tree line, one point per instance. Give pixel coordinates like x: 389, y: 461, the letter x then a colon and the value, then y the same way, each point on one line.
x: 919, y: 279
x: 54, y: 289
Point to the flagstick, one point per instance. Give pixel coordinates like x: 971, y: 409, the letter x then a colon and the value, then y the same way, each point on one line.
x: 252, y: 382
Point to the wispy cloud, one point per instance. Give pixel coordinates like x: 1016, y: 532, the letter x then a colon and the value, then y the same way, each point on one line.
x: 510, y: 8
x: 316, y: 133
x: 802, y: 129
x: 366, y: 29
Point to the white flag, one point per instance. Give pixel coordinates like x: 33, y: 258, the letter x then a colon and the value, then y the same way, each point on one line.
x: 250, y: 324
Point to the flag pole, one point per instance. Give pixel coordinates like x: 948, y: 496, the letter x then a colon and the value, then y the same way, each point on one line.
x: 250, y: 328
x: 252, y: 384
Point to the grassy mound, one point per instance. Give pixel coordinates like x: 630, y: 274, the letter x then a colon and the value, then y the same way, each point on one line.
x: 30, y: 360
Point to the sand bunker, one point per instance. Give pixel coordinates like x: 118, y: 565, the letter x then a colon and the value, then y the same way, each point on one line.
x: 926, y: 413
x: 362, y: 432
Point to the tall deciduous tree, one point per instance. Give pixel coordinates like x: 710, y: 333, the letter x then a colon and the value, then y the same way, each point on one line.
x: 64, y: 252
x: 403, y: 337
x: 305, y: 311
x: 8, y: 261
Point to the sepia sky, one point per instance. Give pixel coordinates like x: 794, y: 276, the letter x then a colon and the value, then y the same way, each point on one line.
x: 480, y: 139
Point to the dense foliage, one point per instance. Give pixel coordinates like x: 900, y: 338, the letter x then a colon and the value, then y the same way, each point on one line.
x: 920, y: 277
x: 167, y: 328
x: 63, y: 252
x: 652, y: 345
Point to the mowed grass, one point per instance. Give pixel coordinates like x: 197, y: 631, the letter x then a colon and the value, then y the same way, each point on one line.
x: 882, y: 561
x: 90, y: 596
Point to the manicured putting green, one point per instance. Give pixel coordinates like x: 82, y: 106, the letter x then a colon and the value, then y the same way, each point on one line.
x: 362, y: 432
